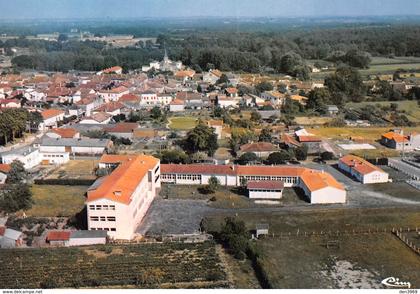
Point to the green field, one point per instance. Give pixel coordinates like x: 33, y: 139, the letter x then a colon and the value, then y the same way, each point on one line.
x: 52, y: 201
x: 411, y: 108
x: 182, y: 123
x: 136, y: 266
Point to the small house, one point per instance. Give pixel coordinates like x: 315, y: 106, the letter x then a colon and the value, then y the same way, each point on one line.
x: 83, y: 238
x: 58, y: 238
x: 10, y: 238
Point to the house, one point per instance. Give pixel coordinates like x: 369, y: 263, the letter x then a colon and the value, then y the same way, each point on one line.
x: 10, y: 103
x: 231, y: 92
x: 275, y: 97
x: 58, y: 238
x: 362, y: 170
x: 63, y: 133
x: 81, y: 146
x: 112, y: 70
x: 312, y: 142
x: 224, y: 101
x: 122, y: 130
x: 113, y: 108
x: 212, y: 76
x: 113, y: 94
x: 217, y: 125
x: 320, y: 187
x: 121, y: 200
x: 261, y: 149
x: 332, y: 110
x: 265, y: 189
x: 29, y: 156
x: 4, y: 171
x: 51, y: 118
x: 396, y: 139
x: 289, y: 142
x: 10, y: 238
x: 102, y: 118
x: 185, y: 75
x: 85, y: 238
x: 177, y: 105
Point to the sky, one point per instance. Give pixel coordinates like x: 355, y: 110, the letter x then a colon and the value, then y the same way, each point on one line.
x: 58, y: 9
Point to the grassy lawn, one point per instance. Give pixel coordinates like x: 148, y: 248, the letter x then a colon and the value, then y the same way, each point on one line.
x: 306, y: 120
x: 411, y: 108
x: 52, y: 201
x: 182, y: 123
x: 358, y: 261
x: 376, y: 153
x: 369, y: 134
x: 397, y: 189
x: 76, y: 169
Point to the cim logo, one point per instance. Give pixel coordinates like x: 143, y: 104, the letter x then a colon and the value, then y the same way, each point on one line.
x: 392, y: 282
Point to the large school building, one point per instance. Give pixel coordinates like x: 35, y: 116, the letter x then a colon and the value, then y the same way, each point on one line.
x: 320, y: 187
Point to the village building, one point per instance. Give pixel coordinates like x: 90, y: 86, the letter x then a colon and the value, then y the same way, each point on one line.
x: 261, y: 149
x: 80, y: 146
x: 29, y: 156
x: 114, y: 94
x: 4, y: 171
x: 51, y: 118
x: 364, y: 171
x: 96, y: 118
x: 10, y: 238
x: 265, y: 189
x: 396, y: 139
x: 177, y: 105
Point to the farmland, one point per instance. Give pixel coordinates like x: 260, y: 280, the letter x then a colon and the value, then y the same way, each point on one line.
x: 358, y: 260
x: 182, y: 123
x: 137, y: 266
x: 52, y: 201
x: 368, y: 134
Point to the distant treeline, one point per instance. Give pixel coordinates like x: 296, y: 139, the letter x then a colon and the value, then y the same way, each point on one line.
x: 282, y: 51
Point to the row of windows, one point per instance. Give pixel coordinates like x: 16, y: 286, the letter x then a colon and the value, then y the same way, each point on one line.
x: 270, y: 191
x: 102, y: 207
x: 104, y: 229
x: 53, y: 155
x: 103, y: 218
x: 290, y: 180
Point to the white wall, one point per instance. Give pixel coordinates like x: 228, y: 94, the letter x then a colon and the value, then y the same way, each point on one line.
x: 258, y: 194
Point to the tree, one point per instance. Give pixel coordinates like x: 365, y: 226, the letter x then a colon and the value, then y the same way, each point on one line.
x: 156, y: 113
x: 17, y: 173
x: 173, y: 156
x: 246, y: 158
x: 345, y: 84
x: 281, y: 157
x: 213, y: 184
x: 223, y: 80
x: 255, y: 116
x: 263, y: 87
x: 326, y: 155
x: 301, y: 152
x: 201, y: 138
x: 235, y: 236
x: 265, y: 136
x: 35, y: 119
x: 318, y: 100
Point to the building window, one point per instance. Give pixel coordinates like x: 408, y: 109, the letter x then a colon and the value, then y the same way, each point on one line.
x: 98, y: 207
x: 102, y: 218
x: 112, y: 207
x: 94, y: 218
x: 113, y: 229
x: 92, y: 207
x: 105, y: 207
x: 111, y: 218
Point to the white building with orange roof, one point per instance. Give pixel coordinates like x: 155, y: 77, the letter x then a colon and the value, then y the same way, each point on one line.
x: 114, y: 94
x: 396, y: 139
x: 51, y: 118
x: 364, y: 171
x: 217, y: 125
x: 320, y: 187
x: 117, y: 203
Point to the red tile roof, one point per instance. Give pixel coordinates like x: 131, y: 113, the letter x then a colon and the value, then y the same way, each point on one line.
x: 266, y: 185
x: 258, y: 147
x: 304, y: 139
x: 58, y: 236
x: 66, y: 133
x: 123, y: 127
x: 2, y: 230
x: 110, y: 107
x: 395, y: 137
x: 129, y: 98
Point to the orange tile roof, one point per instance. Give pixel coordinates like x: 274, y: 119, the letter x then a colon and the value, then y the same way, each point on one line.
x: 316, y: 180
x: 49, y: 113
x: 309, y: 139
x: 58, y: 236
x: 115, y: 158
x: 4, y: 167
x: 66, y: 133
x: 112, y: 69
x: 110, y: 106
x: 396, y: 137
x: 185, y: 73
x: 177, y: 102
x: 123, y: 181
x: 2, y: 230
x: 359, y: 164
x: 129, y: 98
x: 266, y: 185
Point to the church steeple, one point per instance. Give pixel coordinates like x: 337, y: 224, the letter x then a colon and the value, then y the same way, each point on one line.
x: 166, y: 58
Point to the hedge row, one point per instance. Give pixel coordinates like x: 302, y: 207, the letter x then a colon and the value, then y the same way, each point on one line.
x: 64, y: 182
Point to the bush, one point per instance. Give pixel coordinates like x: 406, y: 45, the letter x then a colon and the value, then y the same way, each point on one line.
x: 326, y: 155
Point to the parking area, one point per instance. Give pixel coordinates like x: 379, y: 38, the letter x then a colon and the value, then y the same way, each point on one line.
x: 174, y: 217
